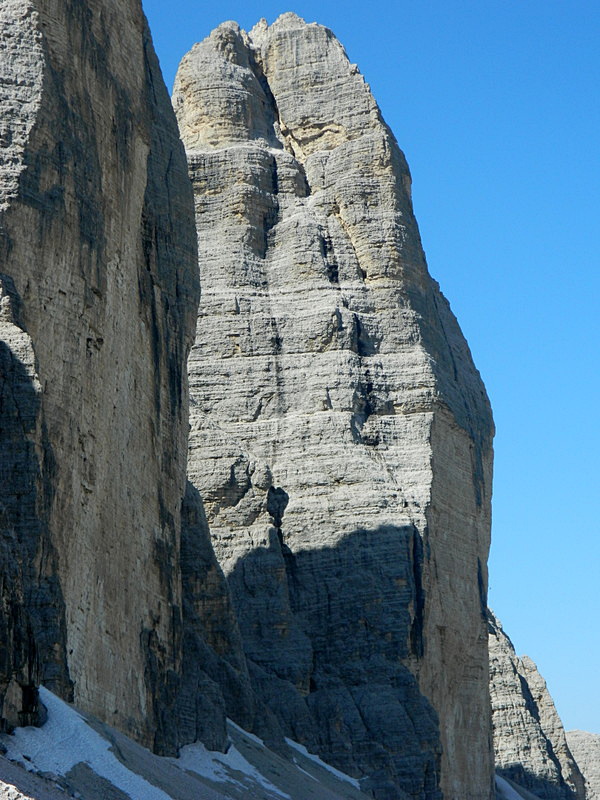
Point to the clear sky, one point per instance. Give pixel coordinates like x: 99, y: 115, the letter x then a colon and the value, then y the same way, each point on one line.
x: 496, y: 106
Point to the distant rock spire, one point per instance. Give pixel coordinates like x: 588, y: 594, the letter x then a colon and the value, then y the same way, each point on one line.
x: 529, y: 740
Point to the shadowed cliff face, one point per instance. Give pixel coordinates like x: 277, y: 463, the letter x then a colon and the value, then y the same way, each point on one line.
x: 32, y: 621
x: 529, y: 740
x: 340, y: 434
x: 100, y: 291
x: 345, y: 680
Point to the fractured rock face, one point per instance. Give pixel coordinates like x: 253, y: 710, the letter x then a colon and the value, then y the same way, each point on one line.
x: 97, y: 310
x: 529, y: 740
x: 340, y: 434
x: 586, y: 750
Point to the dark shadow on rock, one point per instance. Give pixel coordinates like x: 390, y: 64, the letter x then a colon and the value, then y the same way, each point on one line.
x: 541, y: 788
x: 327, y: 633
x: 32, y: 612
x: 213, y: 682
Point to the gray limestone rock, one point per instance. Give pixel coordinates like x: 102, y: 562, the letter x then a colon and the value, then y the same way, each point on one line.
x: 98, y: 301
x: 214, y: 667
x: 89, y: 760
x: 340, y: 434
x: 586, y: 751
x: 529, y: 740
x: 32, y: 629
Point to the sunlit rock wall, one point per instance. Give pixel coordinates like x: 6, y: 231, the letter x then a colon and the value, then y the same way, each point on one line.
x: 98, y: 302
x: 529, y: 740
x: 340, y: 434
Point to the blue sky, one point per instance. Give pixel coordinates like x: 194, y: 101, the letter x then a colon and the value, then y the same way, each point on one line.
x: 495, y: 104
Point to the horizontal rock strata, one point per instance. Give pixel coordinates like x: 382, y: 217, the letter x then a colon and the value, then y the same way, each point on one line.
x: 98, y: 301
x: 340, y: 434
x: 586, y: 751
x: 529, y: 740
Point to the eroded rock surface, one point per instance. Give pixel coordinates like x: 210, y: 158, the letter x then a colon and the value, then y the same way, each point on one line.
x: 340, y: 434
x: 529, y: 740
x: 98, y: 301
x: 586, y: 751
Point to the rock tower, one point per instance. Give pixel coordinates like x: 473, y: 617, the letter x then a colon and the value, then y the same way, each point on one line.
x: 340, y: 434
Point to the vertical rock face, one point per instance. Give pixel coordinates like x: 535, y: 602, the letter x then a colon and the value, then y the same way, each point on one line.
x: 98, y: 301
x: 529, y: 740
x: 340, y: 434
x: 586, y: 750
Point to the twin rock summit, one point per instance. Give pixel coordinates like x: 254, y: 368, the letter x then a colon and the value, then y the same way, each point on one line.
x: 269, y: 504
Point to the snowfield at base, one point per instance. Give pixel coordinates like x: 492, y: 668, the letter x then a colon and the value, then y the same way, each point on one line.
x: 65, y: 740
x: 341, y: 775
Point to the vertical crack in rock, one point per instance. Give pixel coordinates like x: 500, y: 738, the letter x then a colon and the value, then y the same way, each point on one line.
x: 416, y: 630
x: 327, y: 362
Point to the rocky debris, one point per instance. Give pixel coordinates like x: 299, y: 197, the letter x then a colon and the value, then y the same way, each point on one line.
x: 18, y: 784
x: 529, y: 740
x: 98, y: 303
x: 586, y: 751
x: 340, y: 434
x: 77, y: 756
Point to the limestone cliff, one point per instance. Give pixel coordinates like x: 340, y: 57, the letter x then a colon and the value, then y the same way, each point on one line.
x: 98, y: 300
x: 586, y: 750
x: 340, y: 434
x: 529, y: 740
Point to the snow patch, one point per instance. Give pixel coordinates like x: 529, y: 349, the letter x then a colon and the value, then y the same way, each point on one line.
x: 340, y: 775
x: 65, y: 740
x: 215, y: 766
x: 196, y: 758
